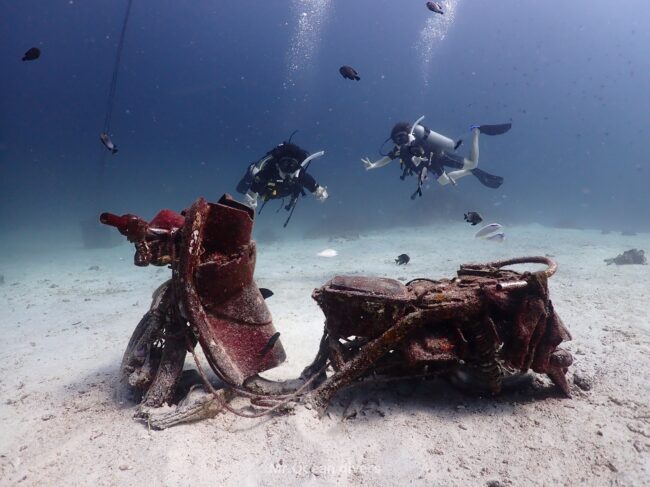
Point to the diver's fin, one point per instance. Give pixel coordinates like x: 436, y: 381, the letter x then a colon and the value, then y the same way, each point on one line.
x: 487, y: 179
x: 495, y: 129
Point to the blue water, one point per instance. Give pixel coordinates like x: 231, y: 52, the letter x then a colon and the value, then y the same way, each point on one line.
x: 206, y: 87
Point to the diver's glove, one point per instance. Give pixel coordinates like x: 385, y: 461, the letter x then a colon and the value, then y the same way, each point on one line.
x: 321, y: 193
x: 374, y: 165
x: 251, y: 200
x: 367, y: 163
x: 417, y: 160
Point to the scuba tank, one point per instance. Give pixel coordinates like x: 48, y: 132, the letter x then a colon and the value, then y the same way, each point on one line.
x: 430, y: 139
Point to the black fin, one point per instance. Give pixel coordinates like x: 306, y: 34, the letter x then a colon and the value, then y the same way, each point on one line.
x: 495, y: 129
x: 457, y: 145
x: 266, y: 293
x: 269, y: 345
x: 487, y: 179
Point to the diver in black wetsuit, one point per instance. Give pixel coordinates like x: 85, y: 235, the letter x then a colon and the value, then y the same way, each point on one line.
x: 281, y: 173
x: 422, y: 151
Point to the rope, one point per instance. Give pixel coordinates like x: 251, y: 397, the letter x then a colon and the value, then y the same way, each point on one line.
x: 289, y: 398
x: 116, y: 68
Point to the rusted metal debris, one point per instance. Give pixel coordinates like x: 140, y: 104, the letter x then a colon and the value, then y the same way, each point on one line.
x: 487, y: 323
x: 632, y: 256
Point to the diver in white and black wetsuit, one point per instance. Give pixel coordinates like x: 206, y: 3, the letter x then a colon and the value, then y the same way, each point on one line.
x: 281, y: 173
x: 422, y: 151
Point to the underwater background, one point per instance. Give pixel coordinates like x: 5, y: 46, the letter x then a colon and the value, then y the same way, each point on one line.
x: 206, y: 87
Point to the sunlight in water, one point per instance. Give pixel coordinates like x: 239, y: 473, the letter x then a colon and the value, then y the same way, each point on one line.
x: 434, y: 31
x: 310, y: 16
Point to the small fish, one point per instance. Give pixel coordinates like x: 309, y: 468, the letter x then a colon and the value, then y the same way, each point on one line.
x: 349, y: 73
x: 108, y: 143
x: 266, y: 293
x: 496, y: 237
x: 435, y: 7
x: 473, y: 218
x: 269, y: 345
x: 327, y: 253
x: 488, y: 230
x: 32, y: 54
x: 402, y: 259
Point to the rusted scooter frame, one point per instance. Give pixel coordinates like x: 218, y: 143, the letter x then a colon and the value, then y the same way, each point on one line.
x: 211, y: 299
x: 487, y: 323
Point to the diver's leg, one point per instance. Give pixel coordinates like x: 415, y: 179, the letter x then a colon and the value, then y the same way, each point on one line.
x: 469, y: 163
x: 472, y: 161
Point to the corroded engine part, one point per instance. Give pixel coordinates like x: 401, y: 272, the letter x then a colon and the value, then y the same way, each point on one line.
x: 487, y: 320
x: 488, y: 323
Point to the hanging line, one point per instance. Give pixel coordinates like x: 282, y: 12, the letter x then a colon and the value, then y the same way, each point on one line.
x: 116, y: 68
x: 99, y: 193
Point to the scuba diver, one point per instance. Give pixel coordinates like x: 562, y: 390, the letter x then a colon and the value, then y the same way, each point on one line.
x: 421, y: 150
x: 281, y: 173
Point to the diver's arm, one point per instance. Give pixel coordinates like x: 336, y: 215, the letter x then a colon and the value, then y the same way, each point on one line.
x: 368, y: 164
x: 307, y: 181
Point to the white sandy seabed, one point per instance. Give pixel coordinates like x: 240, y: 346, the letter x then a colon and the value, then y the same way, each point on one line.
x: 65, y: 319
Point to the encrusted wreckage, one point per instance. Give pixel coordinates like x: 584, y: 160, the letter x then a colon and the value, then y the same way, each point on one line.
x: 632, y: 256
x: 484, y: 325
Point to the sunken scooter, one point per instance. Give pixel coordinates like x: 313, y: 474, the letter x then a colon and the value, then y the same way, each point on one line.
x: 483, y: 327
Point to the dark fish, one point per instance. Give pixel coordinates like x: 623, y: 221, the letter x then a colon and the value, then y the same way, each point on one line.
x: 402, y: 259
x: 473, y: 218
x: 269, y: 345
x: 349, y: 73
x: 266, y: 293
x: 31, y: 54
x: 435, y: 7
x: 108, y: 143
